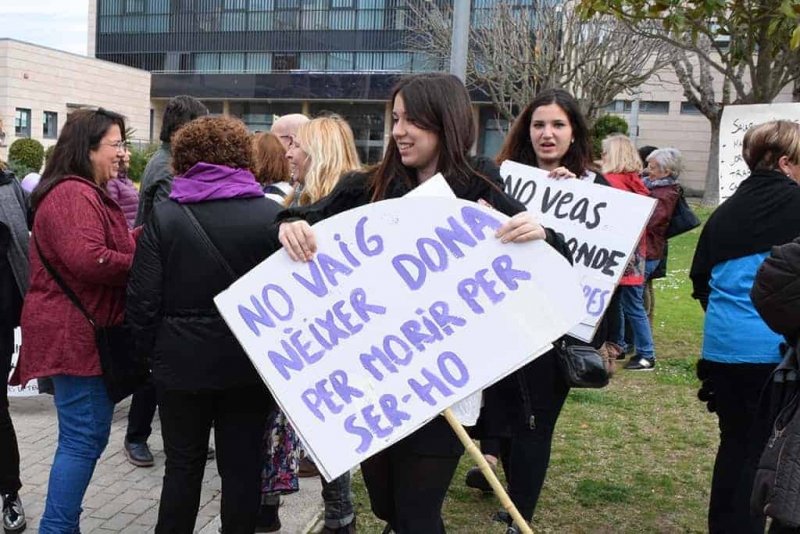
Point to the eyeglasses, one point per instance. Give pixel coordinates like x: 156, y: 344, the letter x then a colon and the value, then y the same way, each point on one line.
x: 119, y: 145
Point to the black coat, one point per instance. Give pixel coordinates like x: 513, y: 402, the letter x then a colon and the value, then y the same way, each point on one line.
x: 776, y: 290
x: 502, y: 401
x: 174, y: 280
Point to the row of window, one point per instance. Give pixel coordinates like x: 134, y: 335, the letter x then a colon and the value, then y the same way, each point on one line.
x: 119, y: 7
x: 22, y: 124
x: 373, y: 19
x: 651, y: 107
x: 266, y: 62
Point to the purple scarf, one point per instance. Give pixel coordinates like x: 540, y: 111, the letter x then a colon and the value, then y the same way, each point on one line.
x: 205, y: 181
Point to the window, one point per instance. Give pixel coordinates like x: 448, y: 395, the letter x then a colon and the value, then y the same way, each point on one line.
x: 687, y: 108
x: 111, y: 7
x: 371, y: 19
x: 397, y: 62
x: 22, y: 123
x: 134, y: 6
x: 312, y: 61
x: 259, y: 62
x: 50, y: 125
x: 232, y: 62
x: 340, y: 61
x: 655, y: 107
x: 214, y: 107
x: 283, y: 62
x: 206, y: 62
x: 369, y: 61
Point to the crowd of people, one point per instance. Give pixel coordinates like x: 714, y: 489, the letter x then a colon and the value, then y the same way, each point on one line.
x: 216, y: 200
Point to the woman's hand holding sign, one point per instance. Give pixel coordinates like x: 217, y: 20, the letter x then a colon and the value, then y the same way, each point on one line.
x: 298, y: 239
x: 521, y: 228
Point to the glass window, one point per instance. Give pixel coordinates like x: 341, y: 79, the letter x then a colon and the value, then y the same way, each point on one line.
x: 342, y: 20
x: 259, y: 62
x: 50, y: 125
x: 232, y: 62
x: 287, y: 4
x: 369, y: 61
x: 371, y: 4
x: 22, y: 123
x: 158, y: 6
x: 371, y: 20
x: 687, y: 108
x: 233, y: 22
x: 397, y: 62
x: 134, y: 24
x: 110, y: 24
x: 312, y: 61
x: 366, y: 121
x: 235, y: 4
x: 655, y: 107
x: 340, y: 61
x: 421, y: 62
x: 111, y: 7
x: 134, y: 6
x: 214, y: 107
x: 206, y: 62
x: 260, y: 21
x: 342, y: 4
x: 158, y: 24
x: 262, y: 5
x: 284, y: 62
x: 287, y: 20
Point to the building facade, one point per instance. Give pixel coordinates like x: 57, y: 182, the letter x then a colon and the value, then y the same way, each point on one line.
x: 40, y: 87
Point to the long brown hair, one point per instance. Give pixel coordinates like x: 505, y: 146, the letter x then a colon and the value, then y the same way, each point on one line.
x: 269, y: 164
x: 82, y: 133
x: 518, y: 146
x: 439, y: 103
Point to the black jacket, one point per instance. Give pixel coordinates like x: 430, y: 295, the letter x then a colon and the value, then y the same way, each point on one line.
x: 174, y: 280
x: 504, y: 400
x: 776, y: 290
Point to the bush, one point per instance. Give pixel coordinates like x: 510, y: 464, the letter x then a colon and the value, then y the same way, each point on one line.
x: 20, y: 170
x: 48, y: 152
x: 139, y: 159
x: 603, y: 127
x: 27, y: 152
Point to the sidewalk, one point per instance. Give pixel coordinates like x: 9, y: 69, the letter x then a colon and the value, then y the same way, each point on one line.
x: 121, y: 497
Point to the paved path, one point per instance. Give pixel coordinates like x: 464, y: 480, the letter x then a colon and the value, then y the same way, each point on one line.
x: 121, y: 497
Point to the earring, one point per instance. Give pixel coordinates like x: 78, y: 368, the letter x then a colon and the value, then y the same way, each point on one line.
x: 572, y: 142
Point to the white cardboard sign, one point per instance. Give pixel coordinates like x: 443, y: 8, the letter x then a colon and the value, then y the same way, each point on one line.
x: 601, y: 225
x: 32, y: 388
x: 735, y: 122
x: 409, y: 306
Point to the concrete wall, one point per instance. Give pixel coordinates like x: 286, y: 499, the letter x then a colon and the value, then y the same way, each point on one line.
x: 42, y: 79
x: 92, y: 33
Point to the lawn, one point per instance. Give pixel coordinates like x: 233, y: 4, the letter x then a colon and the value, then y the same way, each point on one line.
x: 633, y: 457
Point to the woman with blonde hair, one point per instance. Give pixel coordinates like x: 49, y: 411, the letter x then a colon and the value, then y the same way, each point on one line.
x: 622, y: 167
x: 323, y: 150
x: 270, y: 167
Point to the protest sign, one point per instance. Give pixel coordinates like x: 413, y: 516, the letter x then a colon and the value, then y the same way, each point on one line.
x: 32, y: 388
x: 601, y: 225
x: 735, y: 122
x: 409, y: 306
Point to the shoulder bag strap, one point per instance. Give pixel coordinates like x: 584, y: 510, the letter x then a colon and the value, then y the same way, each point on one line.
x: 208, y: 243
x: 63, y: 285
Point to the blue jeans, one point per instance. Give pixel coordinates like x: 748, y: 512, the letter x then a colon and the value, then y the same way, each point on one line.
x: 84, y: 424
x: 338, y: 501
x: 631, y: 308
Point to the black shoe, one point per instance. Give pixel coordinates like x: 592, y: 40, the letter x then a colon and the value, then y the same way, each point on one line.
x: 476, y: 480
x: 13, y: 514
x: 268, y: 519
x: 502, y: 517
x: 349, y: 528
x: 307, y: 469
x: 211, y: 453
x: 138, y: 454
x: 639, y: 363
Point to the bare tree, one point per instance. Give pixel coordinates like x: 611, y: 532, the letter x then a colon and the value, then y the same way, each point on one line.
x: 517, y: 50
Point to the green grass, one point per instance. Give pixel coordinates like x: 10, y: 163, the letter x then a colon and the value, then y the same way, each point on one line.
x: 635, y: 456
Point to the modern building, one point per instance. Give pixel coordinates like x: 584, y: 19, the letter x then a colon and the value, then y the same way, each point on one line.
x: 40, y: 86
x: 255, y: 59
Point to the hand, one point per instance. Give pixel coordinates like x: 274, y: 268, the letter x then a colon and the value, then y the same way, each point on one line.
x: 297, y: 238
x: 561, y: 173
x: 521, y: 228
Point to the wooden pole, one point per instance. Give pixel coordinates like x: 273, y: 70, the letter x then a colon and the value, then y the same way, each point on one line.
x: 476, y: 454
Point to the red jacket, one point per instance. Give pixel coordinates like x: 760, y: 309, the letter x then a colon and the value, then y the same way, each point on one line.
x: 634, y: 272
x: 667, y: 197
x: 84, y: 236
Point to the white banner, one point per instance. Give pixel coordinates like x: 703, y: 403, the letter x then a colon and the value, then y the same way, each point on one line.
x: 32, y: 387
x: 409, y: 306
x: 601, y: 225
x: 736, y: 120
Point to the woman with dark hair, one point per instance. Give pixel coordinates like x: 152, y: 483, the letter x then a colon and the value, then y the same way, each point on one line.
x: 740, y: 350
x: 433, y: 131
x: 194, y: 245
x: 517, y: 422
x: 81, y: 234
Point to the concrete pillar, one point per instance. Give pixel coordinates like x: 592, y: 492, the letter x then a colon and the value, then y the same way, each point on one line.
x: 226, y: 108
x: 387, y: 125
x: 306, y: 109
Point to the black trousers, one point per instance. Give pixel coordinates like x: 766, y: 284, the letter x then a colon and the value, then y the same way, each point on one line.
x: 239, y: 416
x: 407, y: 482
x: 140, y: 415
x: 525, y: 455
x: 9, y: 450
x: 743, y: 435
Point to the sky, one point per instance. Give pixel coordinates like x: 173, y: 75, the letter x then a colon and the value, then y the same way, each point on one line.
x: 60, y: 24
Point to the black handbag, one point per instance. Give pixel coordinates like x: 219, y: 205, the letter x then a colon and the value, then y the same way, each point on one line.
x: 123, y: 371
x: 683, y: 218
x: 581, y: 365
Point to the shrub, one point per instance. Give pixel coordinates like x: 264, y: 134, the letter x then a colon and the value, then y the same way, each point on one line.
x: 20, y: 170
x: 139, y: 159
x: 48, y: 152
x: 27, y: 152
x: 603, y: 127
